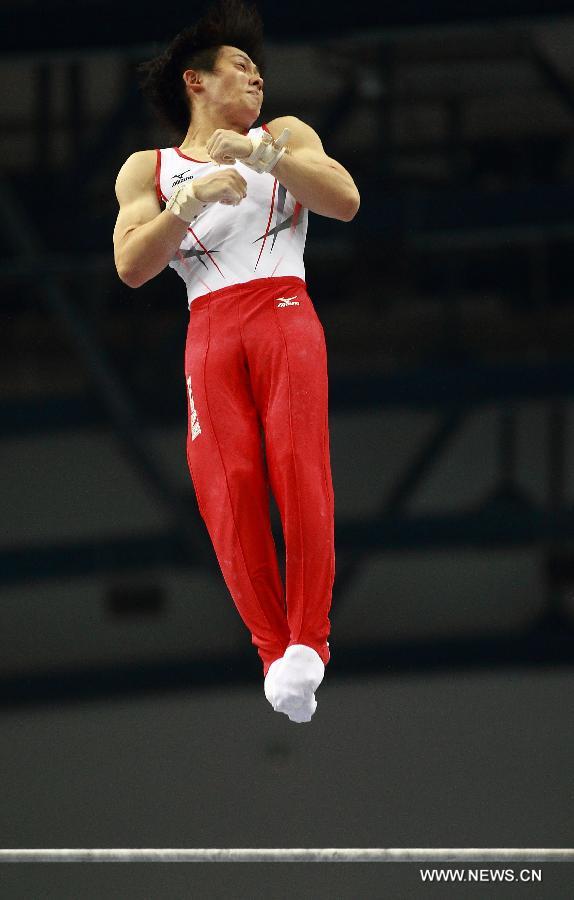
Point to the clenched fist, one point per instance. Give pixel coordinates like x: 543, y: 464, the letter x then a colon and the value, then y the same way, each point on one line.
x: 226, y: 146
x: 224, y: 186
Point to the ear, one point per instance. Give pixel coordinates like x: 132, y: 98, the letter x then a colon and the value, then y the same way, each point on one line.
x: 192, y: 79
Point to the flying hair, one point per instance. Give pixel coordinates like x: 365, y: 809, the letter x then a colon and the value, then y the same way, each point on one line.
x: 234, y: 23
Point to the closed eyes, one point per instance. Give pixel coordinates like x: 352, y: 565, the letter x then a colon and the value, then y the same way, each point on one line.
x: 243, y: 65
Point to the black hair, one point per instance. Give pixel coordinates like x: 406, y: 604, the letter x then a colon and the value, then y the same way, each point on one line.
x: 233, y: 23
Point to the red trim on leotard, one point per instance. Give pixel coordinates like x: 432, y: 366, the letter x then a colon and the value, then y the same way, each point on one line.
x: 268, y: 221
x: 184, y: 156
x: 158, y: 176
x: 296, y: 211
x: 264, y: 127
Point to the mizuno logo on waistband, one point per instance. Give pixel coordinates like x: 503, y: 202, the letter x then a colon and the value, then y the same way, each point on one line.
x: 287, y: 301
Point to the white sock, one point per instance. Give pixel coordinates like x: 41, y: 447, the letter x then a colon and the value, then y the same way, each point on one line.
x: 269, y: 683
x: 292, y: 680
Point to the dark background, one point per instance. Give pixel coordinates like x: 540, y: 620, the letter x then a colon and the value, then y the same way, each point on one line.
x: 132, y: 704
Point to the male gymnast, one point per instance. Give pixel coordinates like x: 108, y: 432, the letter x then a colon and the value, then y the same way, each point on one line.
x: 227, y: 209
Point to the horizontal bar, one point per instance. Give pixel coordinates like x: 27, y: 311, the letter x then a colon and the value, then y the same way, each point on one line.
x: 478, y: 854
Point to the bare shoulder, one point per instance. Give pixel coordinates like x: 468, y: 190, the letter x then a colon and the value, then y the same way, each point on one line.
x: 287, y: 122
x: 137, y: 175
x: 302, y: 135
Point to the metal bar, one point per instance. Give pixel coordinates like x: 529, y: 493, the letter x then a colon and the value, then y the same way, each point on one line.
x: 323, y: 855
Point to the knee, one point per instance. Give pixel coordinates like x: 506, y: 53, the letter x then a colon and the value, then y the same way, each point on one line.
x: 244, y: 476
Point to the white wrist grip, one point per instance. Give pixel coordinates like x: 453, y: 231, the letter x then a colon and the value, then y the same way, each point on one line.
x: 184, y: 204
x: 266, y: 152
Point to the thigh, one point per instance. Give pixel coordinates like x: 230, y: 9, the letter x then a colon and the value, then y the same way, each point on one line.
x: 288, y: 358
x: 224, y: 433
x: 288, y: 366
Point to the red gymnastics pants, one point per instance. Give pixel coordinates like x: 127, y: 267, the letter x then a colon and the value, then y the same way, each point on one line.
x: 256, y: 373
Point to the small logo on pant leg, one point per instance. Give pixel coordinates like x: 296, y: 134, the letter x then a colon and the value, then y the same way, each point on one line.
x: 195, y: 426
x: 287, y: 301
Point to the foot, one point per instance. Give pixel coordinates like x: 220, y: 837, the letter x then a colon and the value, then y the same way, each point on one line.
x: 269, y: 683
x: 292, y: 680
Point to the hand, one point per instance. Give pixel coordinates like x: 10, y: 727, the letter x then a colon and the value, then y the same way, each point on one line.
x: 224, y: 185
x: 225, y: 147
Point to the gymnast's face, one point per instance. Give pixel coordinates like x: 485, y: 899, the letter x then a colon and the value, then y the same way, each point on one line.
x: 233, y: 91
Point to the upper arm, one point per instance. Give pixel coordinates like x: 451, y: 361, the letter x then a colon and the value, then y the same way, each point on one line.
x: 303, y: 141
x: 136, y: 193
x: 302, y: 137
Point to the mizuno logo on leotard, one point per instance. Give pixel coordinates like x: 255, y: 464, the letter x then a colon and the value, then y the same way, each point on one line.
x: 180, y: 177
x: 287, y: 301
x: 193, y: 420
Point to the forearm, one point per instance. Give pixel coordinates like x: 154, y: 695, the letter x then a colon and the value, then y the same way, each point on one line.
x: 318, y: 186
x: 145, y: 250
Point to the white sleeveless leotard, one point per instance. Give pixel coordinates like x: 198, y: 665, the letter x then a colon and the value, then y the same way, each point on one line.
x: 261, y: 237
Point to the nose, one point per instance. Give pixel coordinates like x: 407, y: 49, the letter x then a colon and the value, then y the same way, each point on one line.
x: 257, y: 81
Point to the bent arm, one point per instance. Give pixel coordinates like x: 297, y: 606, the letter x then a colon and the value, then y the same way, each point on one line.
x: 319, y: 183
x: 145, y: 239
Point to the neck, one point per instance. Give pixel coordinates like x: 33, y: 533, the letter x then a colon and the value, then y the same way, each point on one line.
x: 202, y: 127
